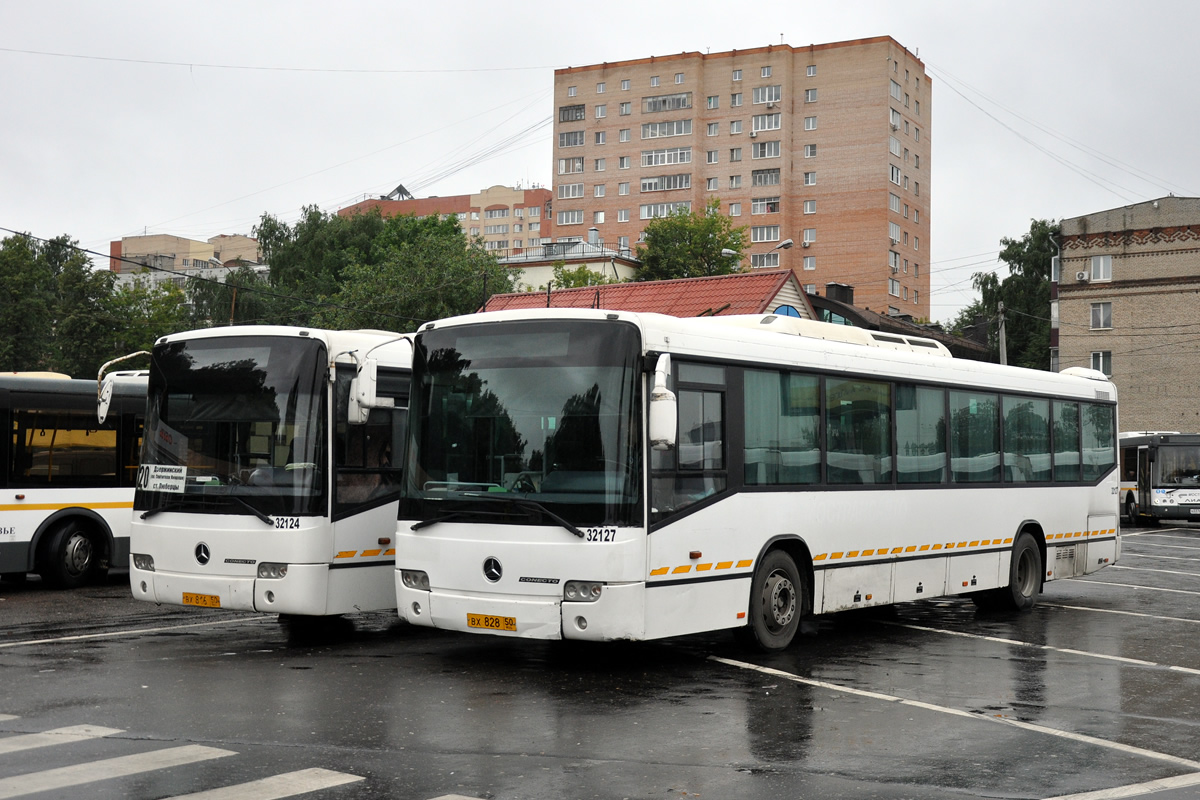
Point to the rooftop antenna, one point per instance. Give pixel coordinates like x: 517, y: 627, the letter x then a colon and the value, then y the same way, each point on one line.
x: 781, y: 38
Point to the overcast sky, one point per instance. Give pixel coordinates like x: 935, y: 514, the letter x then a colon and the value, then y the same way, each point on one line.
x: 195, y: 118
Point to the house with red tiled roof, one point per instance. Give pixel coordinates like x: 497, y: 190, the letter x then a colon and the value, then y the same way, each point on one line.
x: 508, y: 220
x: 757, y: 292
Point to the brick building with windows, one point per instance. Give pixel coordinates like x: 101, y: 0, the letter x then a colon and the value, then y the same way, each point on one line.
x: 826, y: 145
x: 509, y: 220
x: 1126, y: 301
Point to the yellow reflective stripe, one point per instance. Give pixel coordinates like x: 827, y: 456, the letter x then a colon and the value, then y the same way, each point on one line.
x: 346, y: 554
x: 681, y: 570
x: 659, y: 571
x: 58, y: 506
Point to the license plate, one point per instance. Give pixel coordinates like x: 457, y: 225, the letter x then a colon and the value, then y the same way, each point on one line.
x: 202, y: 600
x: 491, y: 623
x: 1194, y: 511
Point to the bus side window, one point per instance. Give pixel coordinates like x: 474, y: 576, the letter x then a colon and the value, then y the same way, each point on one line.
x: 695, y: 469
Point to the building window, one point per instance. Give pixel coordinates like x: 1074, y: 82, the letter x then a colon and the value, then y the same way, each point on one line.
x: 570, y: 217
x: 714, y: 128
x: 810, y: 206
x: 810, y: 123
x: 711, y: 184
x: 764, y: 150
x: 765, y: 72
x: 568, y: 190
x: 766, y: 122
x: 572, y: 91
x: 666, y: 102
x: 599, y: 165
x: 572, y: 113
x: 623, y: 241
x: 895, y: 116
x: 1102, y: 360
x: 894, y: 202
x: 735, y: 181
x: 601, y: 137
x: 712, y: 156
x: 626, y: 109
x: 810, y: 151
x: 735, y: 154
x: 766, y: 177
x: 623, y: 188
x: 916, y: 243
x: 654, y: 80
x: 764, y: 205
x: 894, y: 146
x: 812, y: 70
x: 810, y: 262
x: 624, y: 135
x: 735, y: 209
x: 567, y: 166
x: 767, y: 94
x: 917, y: 216
x: 625, y: 85
x: 894, y: 174
x: 662, y: 130
x: 894, y: 232
x: 735, y: 126
x: 679, y: 77
x: 655, y: 210
x: 1101, y: 316
x: 896, y: 91
x: 916, y: 161
x: 764, y: 233
x: 570, y: 139
x: 735, y: 99
x: 599, y: 88
x: 810, y: 95
x: 623, y: 215
x: 761, y: 260
x: 666, y: 183
x: 623, y: 162
x: 1102, y: 268
x: 597, y: 217
x: 737, y: 74
x: 713, y: 101
x: 810, y: 179
x: 893, y: 287
x: 598, y: 190
x: 810, y: 235
x: 601, y: 111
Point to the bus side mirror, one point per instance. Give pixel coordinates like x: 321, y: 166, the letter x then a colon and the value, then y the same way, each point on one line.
x: 364, y: 393
x: 104, y: 399
x: 663, y: 412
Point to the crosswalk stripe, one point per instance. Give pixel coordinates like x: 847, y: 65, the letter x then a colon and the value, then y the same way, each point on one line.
x: 76, y: 733
x: 79, y: 774
x: 277, y: 786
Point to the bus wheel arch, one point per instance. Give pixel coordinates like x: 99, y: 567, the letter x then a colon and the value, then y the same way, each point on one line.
x: 781, y: 595
x: 72, y: 548
x: 1026, y: 574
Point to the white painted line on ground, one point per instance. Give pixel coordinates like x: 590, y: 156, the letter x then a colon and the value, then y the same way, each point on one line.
x: 76, y: 733
x: 79, y: 774
x: 1077, y: 737
x: 130, y: 632
x: 1117, y: 611
x: 1090, y: 582
x: 1160, y: 571
x: 1169, y: 546
x: 1125, y: 555
x: 289, y: 784
x: 7, y: 717
x: 1136, y: 789
x: 1137, y: 662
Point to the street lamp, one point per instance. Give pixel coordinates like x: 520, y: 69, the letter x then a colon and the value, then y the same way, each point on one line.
x: 786, y: 244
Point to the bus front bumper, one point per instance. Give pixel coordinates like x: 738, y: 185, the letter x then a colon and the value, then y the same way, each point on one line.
x: 302, y: 592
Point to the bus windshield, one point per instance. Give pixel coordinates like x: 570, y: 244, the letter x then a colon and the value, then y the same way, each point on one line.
x: 1178, y: 466
x: 526, y: 423
x: 236, y: 426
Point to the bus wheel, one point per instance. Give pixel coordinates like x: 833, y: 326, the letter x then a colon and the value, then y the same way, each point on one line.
x: 778, y: 601
x: 1024, y: 580
x: 70, y: 558
x: 1131, y: 510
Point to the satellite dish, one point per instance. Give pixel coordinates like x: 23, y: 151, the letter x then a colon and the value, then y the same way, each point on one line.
x: 787, y: 311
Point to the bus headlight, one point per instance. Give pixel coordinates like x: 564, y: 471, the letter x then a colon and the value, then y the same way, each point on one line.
x: 269, y: 570
x: 142, y: 562
x: 415, y: 579
x: 582, y: 591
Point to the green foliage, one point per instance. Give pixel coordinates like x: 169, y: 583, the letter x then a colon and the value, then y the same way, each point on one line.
x: 579, y: 277
x: 1025, y: 294
x: 26, y: 299
x: 687, y: 244
x: 243, y: 298
x: 144, y: 313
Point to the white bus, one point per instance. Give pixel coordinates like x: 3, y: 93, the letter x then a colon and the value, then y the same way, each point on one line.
x: 67, y: 479
x: 611, y: 475
x: 1160, y: 476
x: 267, y: 481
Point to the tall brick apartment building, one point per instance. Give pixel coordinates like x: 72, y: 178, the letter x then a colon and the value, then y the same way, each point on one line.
x: 827, y: 145
x: 1127, y: 302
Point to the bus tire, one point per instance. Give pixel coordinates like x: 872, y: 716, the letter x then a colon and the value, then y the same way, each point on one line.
x: 71, y: 557
x: 1131, y: 510
x: 1024, y: 580
x: 778, y: 601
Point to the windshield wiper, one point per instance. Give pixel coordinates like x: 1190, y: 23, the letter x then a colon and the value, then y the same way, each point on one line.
x: 525, y: 502
x: 251, y: 509
x: 425, y: 523
x: 173, y: 505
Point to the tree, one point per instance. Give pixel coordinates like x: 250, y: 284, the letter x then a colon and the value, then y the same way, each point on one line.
x: 146, y: 311
x: 26, y: 289
x: 85, y: 326
x: 581, y: 276
x: 415, y: 270
x: 1025, y: 294
x: 686, y: 244
x: 242, y: 298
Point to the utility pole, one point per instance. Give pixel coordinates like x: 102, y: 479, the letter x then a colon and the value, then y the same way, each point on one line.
x: 1003, y: 344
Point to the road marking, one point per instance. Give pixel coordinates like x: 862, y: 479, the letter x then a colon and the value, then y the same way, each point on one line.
x: 111, y: 634
x: 1089, y: 582
x: 1134, y: 790
x: 1170, y: 547
x: 80, y: 774
x: 1077, y: 737
x: 287, y: 785
x: 76, y: 733
x: 7, y: 717
x: 1158, y: 558
x: 1161, y: 571
x: 1069, y: 651
x: 1116, y: 611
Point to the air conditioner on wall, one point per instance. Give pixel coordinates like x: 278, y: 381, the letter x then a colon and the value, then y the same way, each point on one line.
x: 1081, y: 276
x: 804, y: 244
x: 753, y: 134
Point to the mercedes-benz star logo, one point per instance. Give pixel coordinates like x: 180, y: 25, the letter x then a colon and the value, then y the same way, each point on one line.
x: 202, y: 554
x: 492, y: 569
